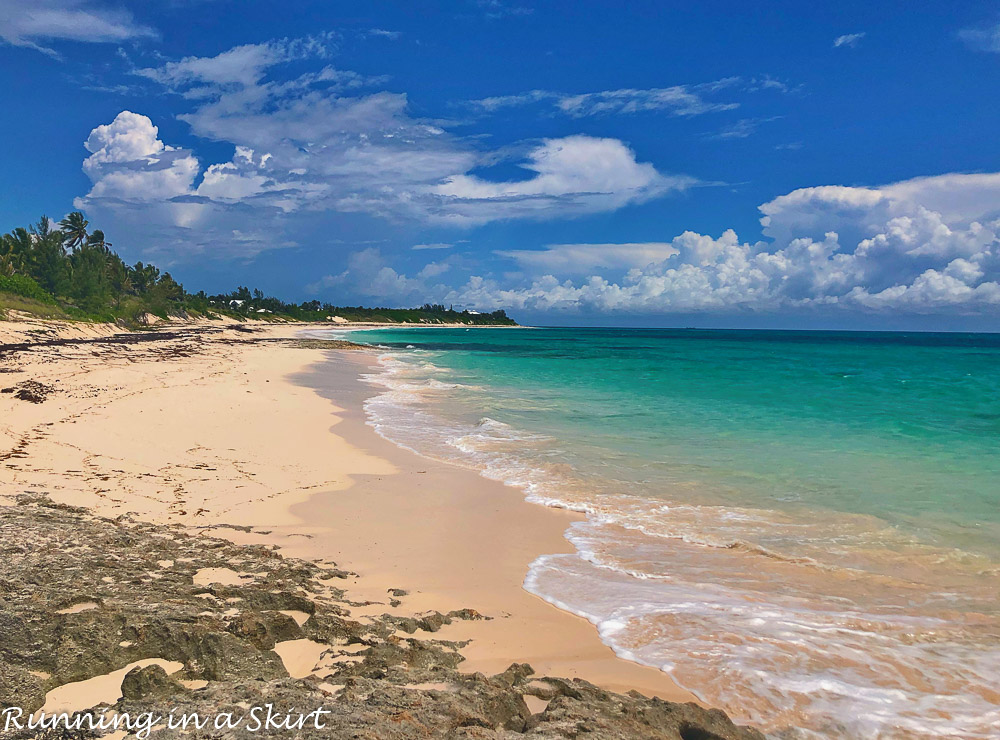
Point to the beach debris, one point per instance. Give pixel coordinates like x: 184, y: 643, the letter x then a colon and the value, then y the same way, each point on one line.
x: 30, y: 390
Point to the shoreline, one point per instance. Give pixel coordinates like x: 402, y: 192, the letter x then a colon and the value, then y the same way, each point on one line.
x: 473, y: 551
x: 214, y: 431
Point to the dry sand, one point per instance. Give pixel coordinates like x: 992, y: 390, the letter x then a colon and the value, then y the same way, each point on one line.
x: 226, y: 431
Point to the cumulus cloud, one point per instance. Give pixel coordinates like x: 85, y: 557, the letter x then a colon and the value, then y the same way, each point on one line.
x: 128, y: 164
x: 369, y: 275
x: 926, y: 245
x: 324, y: 143
x: 28, y: 23
x: 848, y: 39
x: 153, y: 188
x: 582, y: 174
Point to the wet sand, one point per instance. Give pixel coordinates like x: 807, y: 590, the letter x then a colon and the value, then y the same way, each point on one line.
x: 227, y: 431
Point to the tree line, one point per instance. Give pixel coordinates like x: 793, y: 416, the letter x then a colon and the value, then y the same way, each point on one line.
x: 250, y: 303
x: 71, y: 266
x: 72, y: 269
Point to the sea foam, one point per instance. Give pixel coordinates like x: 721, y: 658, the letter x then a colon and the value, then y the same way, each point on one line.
x: 838, y: 626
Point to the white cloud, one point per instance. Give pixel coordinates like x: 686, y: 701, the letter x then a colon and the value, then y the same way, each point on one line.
x: 741, y: 129
x: 582, y: 174
x: 320, y: 143
x: 433, y: 269
x: 128, y: 162
x: 242, y: 66
x: 383, y: 33
x: 678, y: 100
x: 982, y: 39
x: 150, y: 187
x: 848, y: 39
x: 368, y: 275
x: 927, y: 245
x: 434, y: 245
x: 957, y: 197
x: 495, y: 9
x: 29, y: 22
x: 577, y: 259
x: 931, y: 290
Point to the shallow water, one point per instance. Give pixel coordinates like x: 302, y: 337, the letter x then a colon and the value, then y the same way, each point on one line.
x: 804, y: 527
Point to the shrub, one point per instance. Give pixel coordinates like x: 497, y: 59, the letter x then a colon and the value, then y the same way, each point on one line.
x: 25, y: 287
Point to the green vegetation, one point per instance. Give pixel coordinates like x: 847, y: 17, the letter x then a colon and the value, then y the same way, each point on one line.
x: 72, y: 272
x: 249, y: 303
x: 24, y: 286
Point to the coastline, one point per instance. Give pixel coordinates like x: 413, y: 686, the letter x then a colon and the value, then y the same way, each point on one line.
x: 457, y: 540
x: 743, y: 535
x: 260, y: 439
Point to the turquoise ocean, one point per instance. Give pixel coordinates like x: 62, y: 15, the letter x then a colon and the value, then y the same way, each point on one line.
x: 803, y: 528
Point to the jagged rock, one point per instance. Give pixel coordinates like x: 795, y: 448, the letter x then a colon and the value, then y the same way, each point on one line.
x: 431, y: 621
x: 469, y: 615
x: 149, y: 682
x: 578, y: 707
x: 394, y: 688
x: 19, y: 687
x: 264, y: 629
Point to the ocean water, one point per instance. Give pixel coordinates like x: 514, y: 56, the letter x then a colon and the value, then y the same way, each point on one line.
x: 802, y: 527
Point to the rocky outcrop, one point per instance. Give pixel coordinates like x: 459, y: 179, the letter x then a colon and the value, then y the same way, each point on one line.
x: 151, y: 682
x: 82, y: 596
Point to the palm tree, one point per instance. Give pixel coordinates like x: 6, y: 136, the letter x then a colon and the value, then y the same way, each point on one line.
x: 42, y: 229
x: 120, y: 277
x: 96, y: 239
x: 6, y: 257
x: 46, y: 257
x: 12, y: 252
x: 144, y: 277
x: 15, y: 249
x: 74, y: 226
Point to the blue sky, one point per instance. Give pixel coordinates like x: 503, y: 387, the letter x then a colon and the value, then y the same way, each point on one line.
x: 576, y: 163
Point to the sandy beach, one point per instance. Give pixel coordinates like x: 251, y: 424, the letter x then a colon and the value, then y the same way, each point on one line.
x: 259, y: 438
